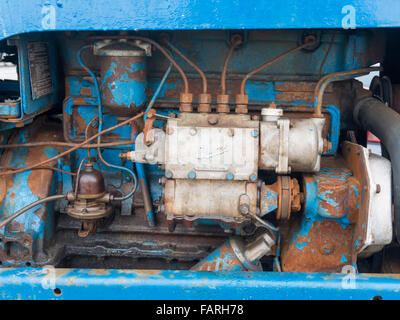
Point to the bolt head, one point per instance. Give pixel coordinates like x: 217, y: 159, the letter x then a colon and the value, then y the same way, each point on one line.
x: 212, y: 119
x: 192, y: 175
x: 168, y: 174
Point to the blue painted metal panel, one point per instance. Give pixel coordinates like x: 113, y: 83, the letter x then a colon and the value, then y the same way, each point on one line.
x: 38, y: 15
x: 37, y: 283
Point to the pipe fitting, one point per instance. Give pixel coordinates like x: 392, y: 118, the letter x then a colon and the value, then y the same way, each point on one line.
x: 204, y: 103
x: 242, y: 100
x: 186, y: 100
x: 223, y: 103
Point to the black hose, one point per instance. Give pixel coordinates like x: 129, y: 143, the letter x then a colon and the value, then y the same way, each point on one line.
x: 30, y: 206
x: 373, y: 115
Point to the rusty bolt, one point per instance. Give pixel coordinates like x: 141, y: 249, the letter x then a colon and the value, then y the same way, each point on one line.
x: 255, y: 117
x: 213, y: 119
x: 231, y: 132
x: 378, y: 188
x: 193, y: 131
x: 327, y: 249
x: 169, y: 131
x: 236, y: 38
x: 310, y: 40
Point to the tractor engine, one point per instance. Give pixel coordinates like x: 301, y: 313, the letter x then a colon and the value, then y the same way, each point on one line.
x: 194, y: 150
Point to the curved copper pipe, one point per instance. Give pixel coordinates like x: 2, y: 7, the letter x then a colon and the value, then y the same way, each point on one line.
x: 236, y: 42
x: 336, y: 76
x: 267, y: 64
x: 191, y: 63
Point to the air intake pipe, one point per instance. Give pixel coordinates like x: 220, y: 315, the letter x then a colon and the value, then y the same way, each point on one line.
x: 373, y: 115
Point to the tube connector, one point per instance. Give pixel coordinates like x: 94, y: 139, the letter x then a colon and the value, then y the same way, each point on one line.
x: 204, y: 103
x: 223, y: 103
x: 128, y: 155
x: 186, y: 100
x: 242, y: 100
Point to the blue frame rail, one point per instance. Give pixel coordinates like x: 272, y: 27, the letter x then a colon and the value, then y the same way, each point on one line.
x: 38, y: 15
x: 42, y: 283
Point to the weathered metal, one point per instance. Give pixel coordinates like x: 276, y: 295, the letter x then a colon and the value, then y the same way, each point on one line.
x: 65, y: 284
x: 237, y: 255
x: 90, y: 183
x: 214, y: 198
x: 25, y: 236
x: 226, y: 150
x: 373, y: 229
x: 323, y: 239
x: 290, y: 145
x: 190, y: 200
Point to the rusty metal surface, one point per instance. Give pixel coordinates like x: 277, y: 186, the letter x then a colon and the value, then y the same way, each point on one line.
x: 123, y: 84
x: 91, y: 182
x: 322, y: 239
x: 24, y: 237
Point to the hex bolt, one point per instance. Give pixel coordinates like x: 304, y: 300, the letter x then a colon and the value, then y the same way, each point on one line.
x: 244, y: 209
x: 192, y: 175
x: 229, y: 176
x: 212, y: 119
x: 254, y: 133
x: 168, y: 174
x: 253, y: 177
x: 169, y: 131
x: 193, y: 131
